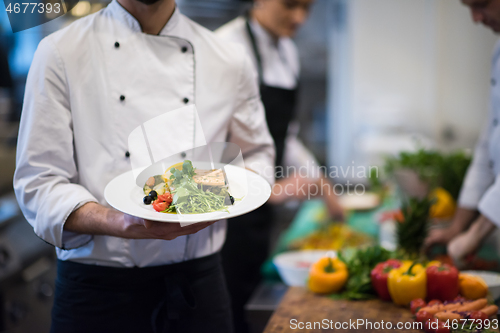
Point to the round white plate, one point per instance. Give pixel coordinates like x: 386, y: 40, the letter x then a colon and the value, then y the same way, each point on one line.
x: 123, y: 194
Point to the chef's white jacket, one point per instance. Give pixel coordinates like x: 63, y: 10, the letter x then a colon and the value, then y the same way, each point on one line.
x: 481, y: 188
x: 92, y: 83
x: 281, y: 69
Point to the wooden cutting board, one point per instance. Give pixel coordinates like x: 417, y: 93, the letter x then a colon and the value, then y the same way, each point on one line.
x: 305, y: 307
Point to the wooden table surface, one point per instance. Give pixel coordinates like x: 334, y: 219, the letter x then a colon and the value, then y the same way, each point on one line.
x: 305, y: 307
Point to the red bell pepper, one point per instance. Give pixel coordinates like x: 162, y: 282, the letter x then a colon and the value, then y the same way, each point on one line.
x: 379, y: 277
x: 442, y: 282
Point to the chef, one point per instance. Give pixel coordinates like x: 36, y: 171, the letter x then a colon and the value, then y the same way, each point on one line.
x: 266, y: 33
x: 90, y: 84
x: 479, y: 204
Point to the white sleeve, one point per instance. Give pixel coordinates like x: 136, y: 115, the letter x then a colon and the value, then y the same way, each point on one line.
x: 481, y: 189
x: 297, y: 157
x: 46, y: 172
x: 479, y: 176
x: 248, y: 128
x: 488, y: 206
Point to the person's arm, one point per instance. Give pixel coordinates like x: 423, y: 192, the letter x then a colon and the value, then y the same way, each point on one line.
x: 95, y: 219
x: 298, y: 157
x: 336, y: 211
x: 470, y: 241
x: 296, y: 187
x: 304, y: 163
x: 46, y: 173
x: 248, y: 128
x: 479, y: 175
x: 62, y: 212
x: 461, y: 220
x: 478, y: 179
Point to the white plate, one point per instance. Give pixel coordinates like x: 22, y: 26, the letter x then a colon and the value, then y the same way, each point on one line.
x: 123, y: 194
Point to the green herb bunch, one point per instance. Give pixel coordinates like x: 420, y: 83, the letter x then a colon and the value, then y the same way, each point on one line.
x: 412, y: 231
x: 435, y: 168
x: 360, y: 263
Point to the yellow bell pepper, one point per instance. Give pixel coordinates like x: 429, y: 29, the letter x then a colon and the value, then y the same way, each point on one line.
x: 444, y: 207
x: 407, y: 283
x: 327, y: 275
x: 472, y: 287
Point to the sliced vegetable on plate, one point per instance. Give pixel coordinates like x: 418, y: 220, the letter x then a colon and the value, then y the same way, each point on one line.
x: 187, y: 190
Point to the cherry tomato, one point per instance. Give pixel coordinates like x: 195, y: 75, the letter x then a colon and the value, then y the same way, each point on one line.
x: 159, y: 206
x: 416, y: 305
x: 434, y: 302
x: 424, y: 316
x: 442, y: 328
x: 167, y: 197
x: 479, y: 317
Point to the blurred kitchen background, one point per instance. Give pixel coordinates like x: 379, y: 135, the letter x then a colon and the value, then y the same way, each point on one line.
x: 378, y: 77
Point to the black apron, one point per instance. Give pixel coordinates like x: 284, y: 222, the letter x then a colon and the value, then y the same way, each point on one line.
x: 185, y: 297
x: 279, y: 103
x: 248, y: 236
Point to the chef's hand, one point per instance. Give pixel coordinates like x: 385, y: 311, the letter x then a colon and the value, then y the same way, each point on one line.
x: 134, y: 227
x: 440, y: 236
x: 95, y: 219
x: 296, y: 187
x: 293, y: 187
x: 462, y: 219
x: 469, y: 241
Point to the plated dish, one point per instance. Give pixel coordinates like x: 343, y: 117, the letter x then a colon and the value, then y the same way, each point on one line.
x: 185, y: 189
x: 196, y: 195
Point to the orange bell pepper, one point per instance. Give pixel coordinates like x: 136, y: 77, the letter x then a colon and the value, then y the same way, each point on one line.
x: 327, y: 276
x: 472, y: 287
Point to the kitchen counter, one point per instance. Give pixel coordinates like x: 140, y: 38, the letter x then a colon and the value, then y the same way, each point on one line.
x: 301, y: 306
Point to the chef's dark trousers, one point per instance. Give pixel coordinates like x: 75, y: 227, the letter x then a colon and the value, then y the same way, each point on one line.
x: 245, y: 250
x: 186, y: 297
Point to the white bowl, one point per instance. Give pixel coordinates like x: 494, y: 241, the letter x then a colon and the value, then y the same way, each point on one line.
x: 492, y: 279
x: 293, y: 266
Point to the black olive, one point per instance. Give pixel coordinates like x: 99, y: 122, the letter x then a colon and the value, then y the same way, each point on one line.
x: 153, y: 194
x: 148, y: 200
x: 228, y: 200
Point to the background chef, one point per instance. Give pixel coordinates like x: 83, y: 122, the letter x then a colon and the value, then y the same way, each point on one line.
x: 266, y: 33
x: 479, y: 203
x: 89, y: 86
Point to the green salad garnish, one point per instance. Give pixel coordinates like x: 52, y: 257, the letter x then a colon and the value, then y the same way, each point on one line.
x: 188, y: 198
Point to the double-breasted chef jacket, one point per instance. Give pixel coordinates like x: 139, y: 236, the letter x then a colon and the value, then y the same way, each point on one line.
x: 481, y: 188
x: 92, y: 83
